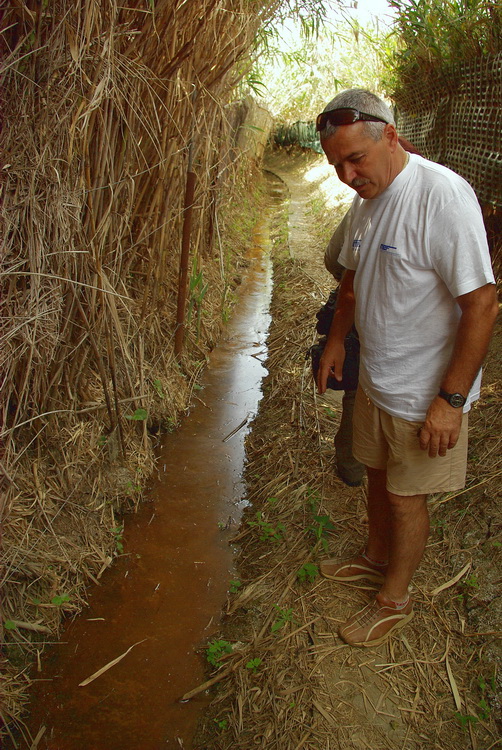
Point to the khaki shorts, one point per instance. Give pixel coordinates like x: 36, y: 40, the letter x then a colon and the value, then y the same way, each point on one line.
x: 385, y: 442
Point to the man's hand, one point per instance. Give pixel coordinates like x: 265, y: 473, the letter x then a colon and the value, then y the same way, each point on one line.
x: 442, y: 423
x: 441, y: 428
x: 331, y: 363
x: 333, y: 357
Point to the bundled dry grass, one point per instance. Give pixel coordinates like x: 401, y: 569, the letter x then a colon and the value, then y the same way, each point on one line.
x: 435, y: 685
x: 101, y: 103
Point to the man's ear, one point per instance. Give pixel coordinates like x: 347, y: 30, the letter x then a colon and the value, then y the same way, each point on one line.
x: 390, y: 135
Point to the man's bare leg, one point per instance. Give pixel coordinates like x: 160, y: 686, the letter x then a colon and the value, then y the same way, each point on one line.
x: 378, y: 545
x: 409, y: 524
x: 398, y: 532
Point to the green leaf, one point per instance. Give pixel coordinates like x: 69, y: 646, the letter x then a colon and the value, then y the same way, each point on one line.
x: 60, y: 599
x: 9, y: 625
x: 139, y: 415
x: 216, y: 650
x: 253, y: 664
x: 157, y: 384
x: 309, y: 572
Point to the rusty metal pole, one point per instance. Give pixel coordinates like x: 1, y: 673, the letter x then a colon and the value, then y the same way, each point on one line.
x: 185, y: 250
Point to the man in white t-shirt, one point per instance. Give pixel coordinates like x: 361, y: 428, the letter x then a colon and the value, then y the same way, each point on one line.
x: 419, y: 286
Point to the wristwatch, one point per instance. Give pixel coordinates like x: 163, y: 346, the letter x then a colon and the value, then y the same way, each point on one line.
x: 454, y: 399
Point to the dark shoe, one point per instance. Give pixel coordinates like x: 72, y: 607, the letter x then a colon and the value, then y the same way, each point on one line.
x: 351, y: 479
x: 373, y: 624
x: 355, y: 569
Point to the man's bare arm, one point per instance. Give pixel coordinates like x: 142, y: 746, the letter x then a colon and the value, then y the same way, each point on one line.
x: 442, y: 423
x: 334, y: 352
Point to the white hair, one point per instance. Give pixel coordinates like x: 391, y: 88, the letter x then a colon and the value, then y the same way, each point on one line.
x: 364, y: 101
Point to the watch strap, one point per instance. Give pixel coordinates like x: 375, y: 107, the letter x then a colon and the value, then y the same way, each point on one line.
x: 454, y: 399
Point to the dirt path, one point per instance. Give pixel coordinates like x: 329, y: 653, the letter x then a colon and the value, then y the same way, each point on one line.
x: 290, y: 682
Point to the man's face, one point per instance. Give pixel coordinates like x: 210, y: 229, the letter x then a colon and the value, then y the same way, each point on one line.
x: 365, y: 165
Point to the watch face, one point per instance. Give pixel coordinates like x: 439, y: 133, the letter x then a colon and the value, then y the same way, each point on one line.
x: 456, y: 400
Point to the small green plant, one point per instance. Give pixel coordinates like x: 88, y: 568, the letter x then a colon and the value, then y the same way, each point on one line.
x: 308, y: 573
x: 321, y: 523
x: 283, y: 616
x: 465, y: 719
x: 221, y: 724
x: 483, y: 686
x: 439, y: 525
x: 483, y: 703
x: 485, y: 709
x: 157, y: 384
x: 234, y: 586
x: 472, y: 582
x: 139, y: 415
x: 9, y: 625
x: 60, y: 599
x: 470, y: 585
x: 216, y: 649
x: 313, y: 499
x: 268, y: 532
x: 483, y: 706
x: 118, y: 533
x: 253, y: 664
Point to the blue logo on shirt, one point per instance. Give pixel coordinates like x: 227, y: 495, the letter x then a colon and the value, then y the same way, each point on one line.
x: 390, y: 249
x: 356, y: 245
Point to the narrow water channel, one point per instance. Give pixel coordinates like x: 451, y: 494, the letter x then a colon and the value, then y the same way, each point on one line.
x: 167, y: 592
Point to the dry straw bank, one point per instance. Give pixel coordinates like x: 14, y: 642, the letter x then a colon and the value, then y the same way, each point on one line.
x: 120, y: 147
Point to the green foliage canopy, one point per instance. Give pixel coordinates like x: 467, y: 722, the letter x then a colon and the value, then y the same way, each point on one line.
x: 433, y: 34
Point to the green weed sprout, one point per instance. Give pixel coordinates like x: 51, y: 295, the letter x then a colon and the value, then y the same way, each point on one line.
x: 139, y: 415
x: 253, y: 664
x: 118, y: 532
x: 308, y: 573
x: 60, y: 599
x: 269, y: 533
x: 216, y: 649
x: 465, y: 719
x: 284, y: 616
x: 221, y: 724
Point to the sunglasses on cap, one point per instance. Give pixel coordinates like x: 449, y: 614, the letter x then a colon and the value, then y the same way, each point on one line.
x: 344, y: 116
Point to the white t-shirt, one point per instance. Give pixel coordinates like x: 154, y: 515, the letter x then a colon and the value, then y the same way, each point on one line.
x: 415, y: 248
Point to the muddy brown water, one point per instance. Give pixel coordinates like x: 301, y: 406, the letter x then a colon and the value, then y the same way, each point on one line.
x: 166, y: 593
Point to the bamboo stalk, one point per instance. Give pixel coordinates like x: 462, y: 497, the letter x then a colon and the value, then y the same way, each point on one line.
x: 185, y: 248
